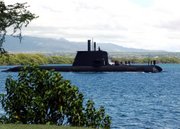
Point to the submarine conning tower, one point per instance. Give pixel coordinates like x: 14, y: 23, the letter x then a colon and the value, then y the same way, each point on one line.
x: 95, y: 58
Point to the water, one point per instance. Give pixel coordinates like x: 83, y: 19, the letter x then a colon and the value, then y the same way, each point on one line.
x: 133, y: 100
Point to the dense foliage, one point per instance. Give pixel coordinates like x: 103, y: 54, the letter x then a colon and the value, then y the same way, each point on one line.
x: 41, y: 97
x: 24, y: 59
x: 13, y: 17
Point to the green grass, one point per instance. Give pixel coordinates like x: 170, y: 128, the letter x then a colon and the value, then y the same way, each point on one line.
x: 25, y: 126
x: 23, y: 59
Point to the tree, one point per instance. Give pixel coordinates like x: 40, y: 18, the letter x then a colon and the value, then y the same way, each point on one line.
x: 41, y: 97
x: 13, y: 16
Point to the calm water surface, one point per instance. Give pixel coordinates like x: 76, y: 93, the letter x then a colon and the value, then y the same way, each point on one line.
x: 133, y: 100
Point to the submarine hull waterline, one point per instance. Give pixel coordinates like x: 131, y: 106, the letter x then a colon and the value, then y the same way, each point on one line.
x: 122, y: 68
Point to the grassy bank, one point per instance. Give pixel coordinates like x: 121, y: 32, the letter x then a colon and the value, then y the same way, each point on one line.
x: 20, y: 126
x: 22, y: 59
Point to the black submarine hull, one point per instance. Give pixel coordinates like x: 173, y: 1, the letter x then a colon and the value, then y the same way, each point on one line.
x: 108, y: 68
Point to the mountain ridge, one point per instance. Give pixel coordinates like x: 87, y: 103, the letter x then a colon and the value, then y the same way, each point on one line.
x: 49, y: 45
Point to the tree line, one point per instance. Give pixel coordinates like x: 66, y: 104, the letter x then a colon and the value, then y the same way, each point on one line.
x: 24, y: 59
x: 145, y: 60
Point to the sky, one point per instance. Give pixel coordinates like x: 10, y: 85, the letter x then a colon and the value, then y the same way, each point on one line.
x: 145, y: 24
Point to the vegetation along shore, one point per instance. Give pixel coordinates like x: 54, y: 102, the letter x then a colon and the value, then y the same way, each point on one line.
x: 23, y: 59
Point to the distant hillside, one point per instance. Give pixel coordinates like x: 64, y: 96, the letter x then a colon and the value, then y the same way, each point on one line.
x: 35, y: 44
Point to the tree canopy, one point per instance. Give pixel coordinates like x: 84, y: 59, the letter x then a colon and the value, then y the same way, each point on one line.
x: 13, y: 16
x: 44, y: 97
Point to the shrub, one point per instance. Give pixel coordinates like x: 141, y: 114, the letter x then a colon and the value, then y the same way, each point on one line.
x: 44, y: 97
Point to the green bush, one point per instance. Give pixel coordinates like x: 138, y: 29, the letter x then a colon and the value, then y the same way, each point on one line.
x: 44, y: 97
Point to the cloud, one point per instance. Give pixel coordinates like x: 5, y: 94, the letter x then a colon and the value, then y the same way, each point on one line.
x: 171, y: 25
x: 143, y: 3
x: 150, y: 24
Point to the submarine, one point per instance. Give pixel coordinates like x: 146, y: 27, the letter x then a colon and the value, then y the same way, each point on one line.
x: 96, y: 60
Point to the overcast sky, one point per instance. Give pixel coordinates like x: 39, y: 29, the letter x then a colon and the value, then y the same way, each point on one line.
x: 147, y: 24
